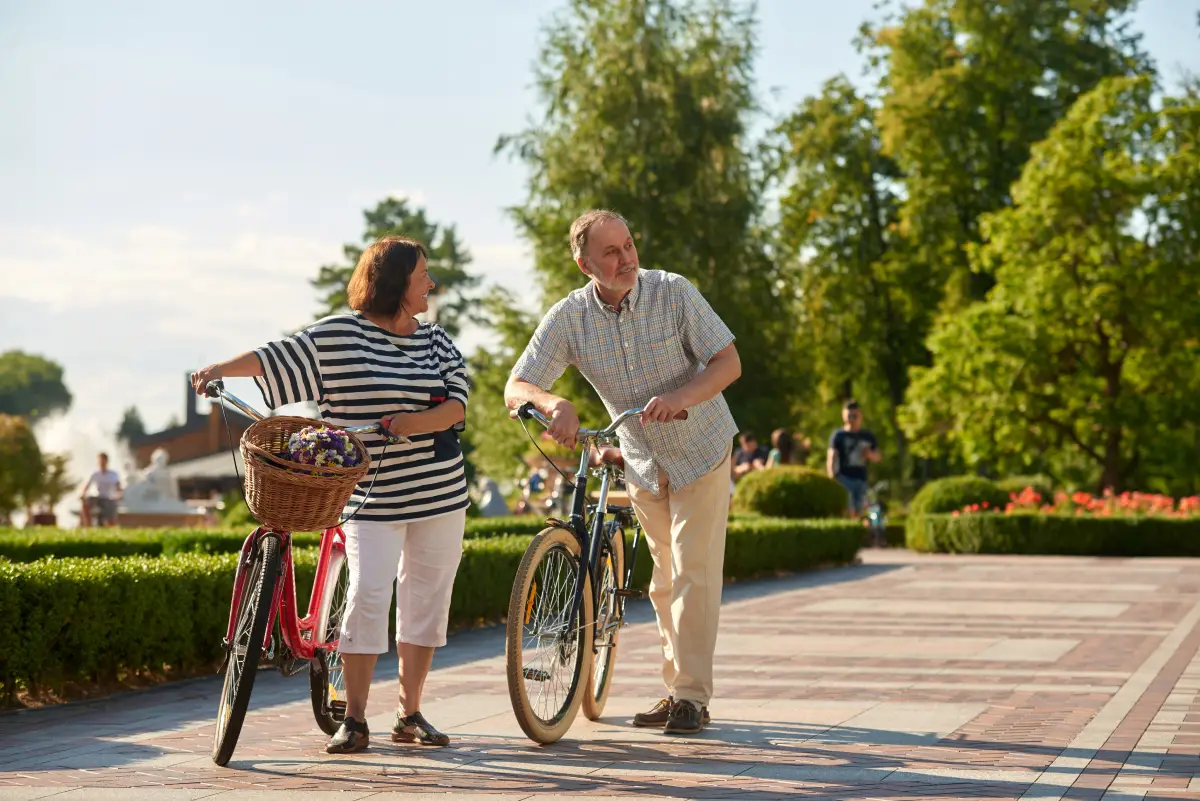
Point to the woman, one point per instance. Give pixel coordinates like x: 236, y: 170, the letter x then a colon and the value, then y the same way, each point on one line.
x: 782, y: 448
x: 380, y: 363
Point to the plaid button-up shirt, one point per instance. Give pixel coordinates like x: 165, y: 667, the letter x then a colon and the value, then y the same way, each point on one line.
x: 662, y: 336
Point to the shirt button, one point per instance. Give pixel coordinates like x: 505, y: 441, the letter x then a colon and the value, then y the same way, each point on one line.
x: 627, y: 344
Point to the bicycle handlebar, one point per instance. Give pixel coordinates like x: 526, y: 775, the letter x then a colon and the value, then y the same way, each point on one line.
x: 216, y: 390
x: 529, y: 412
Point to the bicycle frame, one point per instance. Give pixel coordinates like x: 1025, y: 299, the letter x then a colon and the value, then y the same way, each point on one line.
x: 284, y: 605
x: 590, y: 541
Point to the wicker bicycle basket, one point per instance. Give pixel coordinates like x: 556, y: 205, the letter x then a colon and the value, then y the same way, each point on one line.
x: 288, y: 496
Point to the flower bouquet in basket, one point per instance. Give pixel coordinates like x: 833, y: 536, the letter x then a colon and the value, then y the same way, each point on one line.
x: 322, y: 446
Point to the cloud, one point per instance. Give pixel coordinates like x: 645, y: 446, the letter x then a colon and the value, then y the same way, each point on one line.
x: 130, y: 312
x: 415, y: 197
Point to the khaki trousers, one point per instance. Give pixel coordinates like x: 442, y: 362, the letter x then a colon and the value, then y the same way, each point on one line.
x: 685, y: 530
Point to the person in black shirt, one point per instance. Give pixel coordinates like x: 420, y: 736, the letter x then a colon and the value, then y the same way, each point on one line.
x: 851, y: 447
x: 749, y: 457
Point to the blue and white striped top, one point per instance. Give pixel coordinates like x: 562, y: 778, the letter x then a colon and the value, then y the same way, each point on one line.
x: 357, y: 372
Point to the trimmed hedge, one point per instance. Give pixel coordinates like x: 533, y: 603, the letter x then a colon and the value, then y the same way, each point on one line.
x: 948, y: 495
x: 953, y: 493
x: 82, y: 620
x: 790, y: 491
x: 31, y: 544
x: 1056, y: 534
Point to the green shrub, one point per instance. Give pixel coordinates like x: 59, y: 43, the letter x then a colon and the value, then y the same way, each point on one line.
x: 1042, y: 485
x: 478, y: 527
x: 949, y: 495
x: 84, y: 619
x: 1056, y: 534
x: 30, y: 544
x: 790, y: 491
x: 954, y: 493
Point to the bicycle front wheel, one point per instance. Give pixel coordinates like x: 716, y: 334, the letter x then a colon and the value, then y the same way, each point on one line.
x: 548, y: 660
x: 249, y: 633
x: 608, y: 626
x: 327, y: 686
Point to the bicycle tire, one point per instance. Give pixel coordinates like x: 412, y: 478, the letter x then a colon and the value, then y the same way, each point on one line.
x: 561, y: 546
x: 325, y: 682
x: 253, y: 616
x: 604, y: 663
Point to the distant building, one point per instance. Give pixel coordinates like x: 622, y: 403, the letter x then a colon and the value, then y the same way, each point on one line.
x: 199, y: 449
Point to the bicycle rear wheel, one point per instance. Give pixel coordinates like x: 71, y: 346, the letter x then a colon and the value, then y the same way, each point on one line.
x: 249, y: 633
x: 327, y: 686
x: 608, y: 625
x: 547, y: 664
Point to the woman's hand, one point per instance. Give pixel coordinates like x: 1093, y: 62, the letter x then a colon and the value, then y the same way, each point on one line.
x: 201, y: 377
x: 402, y: 424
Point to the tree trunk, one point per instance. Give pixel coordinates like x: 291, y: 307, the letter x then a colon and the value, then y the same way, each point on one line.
x: 1112, y: 476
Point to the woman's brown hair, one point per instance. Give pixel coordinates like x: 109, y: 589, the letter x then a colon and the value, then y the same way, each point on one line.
x: 781, y: 440
x: 381, y: 277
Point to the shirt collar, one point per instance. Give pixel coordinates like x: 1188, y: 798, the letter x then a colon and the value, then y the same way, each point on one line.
x: 628, y: 304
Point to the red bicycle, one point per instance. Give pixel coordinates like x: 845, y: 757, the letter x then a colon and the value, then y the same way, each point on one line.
x: 264, y: 591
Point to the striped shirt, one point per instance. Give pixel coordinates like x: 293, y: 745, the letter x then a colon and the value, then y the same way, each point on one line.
x: 357, y: 372
x: 664, y: 334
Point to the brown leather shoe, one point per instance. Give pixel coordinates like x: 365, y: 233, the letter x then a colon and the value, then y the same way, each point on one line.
x: 660, y: 714
x: 416, y: 729
x: 350, y: 737
x: 686, y: 718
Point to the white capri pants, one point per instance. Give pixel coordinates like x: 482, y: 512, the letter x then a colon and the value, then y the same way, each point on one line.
x: 421, y: 558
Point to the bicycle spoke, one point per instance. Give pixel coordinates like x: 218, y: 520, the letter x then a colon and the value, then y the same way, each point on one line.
x: 550, y: 648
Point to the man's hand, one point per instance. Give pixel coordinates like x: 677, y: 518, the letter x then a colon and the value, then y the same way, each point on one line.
x: 608, y: 454
x: 564, y: 424
x: 662, y: 409
x: 201, y: 377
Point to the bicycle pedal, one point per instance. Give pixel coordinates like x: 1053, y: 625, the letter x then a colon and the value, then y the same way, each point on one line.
x: 622, y: 593
x: 337, y: 710
x: 533, y: 674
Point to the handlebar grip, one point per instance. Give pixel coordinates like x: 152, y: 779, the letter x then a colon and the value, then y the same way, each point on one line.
x: 214, y: 388
x: 525, y: 411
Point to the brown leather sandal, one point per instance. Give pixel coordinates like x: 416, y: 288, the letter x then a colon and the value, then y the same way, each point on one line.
x: 416, y: 729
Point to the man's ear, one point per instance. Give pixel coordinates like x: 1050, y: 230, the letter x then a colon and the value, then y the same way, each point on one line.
x: 583, y: 267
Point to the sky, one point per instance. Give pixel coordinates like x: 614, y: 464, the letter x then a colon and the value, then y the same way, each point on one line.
x: 173, y: 174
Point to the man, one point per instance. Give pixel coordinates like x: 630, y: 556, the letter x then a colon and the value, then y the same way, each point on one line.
x: 851, y: 447
x: 108, y: 490
x: 749, y: 457
x: 649, y: 338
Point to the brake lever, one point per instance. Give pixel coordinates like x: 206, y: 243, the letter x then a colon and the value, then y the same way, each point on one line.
x: 393, y: 439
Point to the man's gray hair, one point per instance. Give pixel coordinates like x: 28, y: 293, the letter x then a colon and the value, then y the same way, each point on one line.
x: 583, y: 224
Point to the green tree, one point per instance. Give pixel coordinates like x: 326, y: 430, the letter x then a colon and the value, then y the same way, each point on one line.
x: 21, y: 465
x: 969, y: 87
x: 31, y: 386
x: 56, y: 482
x: 132, y: 427
x: 646, y: 104
x: 497, y: 443
x: 861, y: 304
x: 448, y: 261
x: 1086, y: 353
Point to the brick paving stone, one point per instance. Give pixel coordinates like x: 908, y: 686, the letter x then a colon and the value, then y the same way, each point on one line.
x: 905, y: 677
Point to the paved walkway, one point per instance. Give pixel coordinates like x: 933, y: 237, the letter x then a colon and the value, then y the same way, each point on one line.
x: 904, y: 677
